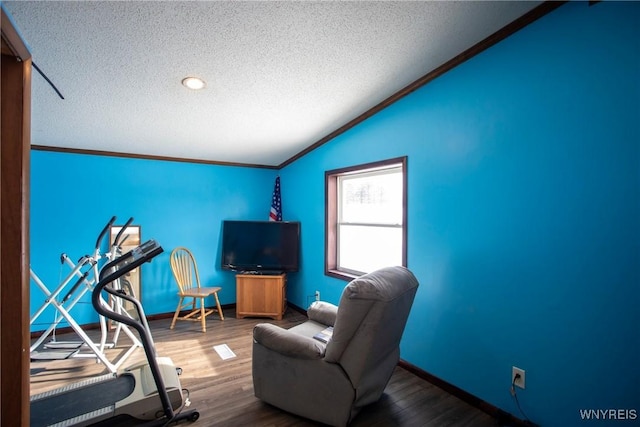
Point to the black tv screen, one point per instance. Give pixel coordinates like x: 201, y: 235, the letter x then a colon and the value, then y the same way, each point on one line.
x: 260, y: 246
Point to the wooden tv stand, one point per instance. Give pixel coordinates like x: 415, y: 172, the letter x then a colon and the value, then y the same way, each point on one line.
x: 261, y: 295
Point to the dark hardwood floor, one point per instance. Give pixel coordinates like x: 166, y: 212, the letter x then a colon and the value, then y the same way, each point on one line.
x: 222, y: 390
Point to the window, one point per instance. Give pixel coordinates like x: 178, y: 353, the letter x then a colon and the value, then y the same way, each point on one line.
x: 366, y: 218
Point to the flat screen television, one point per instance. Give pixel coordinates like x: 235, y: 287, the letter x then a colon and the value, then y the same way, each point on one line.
x: 260, y: 246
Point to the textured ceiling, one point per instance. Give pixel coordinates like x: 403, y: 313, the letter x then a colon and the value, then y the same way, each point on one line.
x: 280, y: 75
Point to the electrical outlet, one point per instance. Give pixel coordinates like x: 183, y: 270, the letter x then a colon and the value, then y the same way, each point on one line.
x: 519, y: 381
x: 317, y: 294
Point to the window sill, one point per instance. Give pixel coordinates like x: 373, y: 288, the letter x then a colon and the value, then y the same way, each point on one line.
x: 341, y: 275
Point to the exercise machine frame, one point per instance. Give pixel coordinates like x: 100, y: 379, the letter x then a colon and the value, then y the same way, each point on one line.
x: 64, y: 305
x: 149, y: 397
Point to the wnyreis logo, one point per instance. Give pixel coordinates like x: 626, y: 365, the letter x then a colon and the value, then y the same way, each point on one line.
x: 608, y: 414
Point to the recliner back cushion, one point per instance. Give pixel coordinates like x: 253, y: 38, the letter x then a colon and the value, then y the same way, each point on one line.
x: 371, y: 317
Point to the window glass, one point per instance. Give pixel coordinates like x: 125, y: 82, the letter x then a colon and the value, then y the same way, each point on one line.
x: 366, y: 218
x: 374, y: 197
x: 365, y: 249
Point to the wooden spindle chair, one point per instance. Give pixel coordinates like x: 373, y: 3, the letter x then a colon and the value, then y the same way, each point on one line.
x: 185, y: 271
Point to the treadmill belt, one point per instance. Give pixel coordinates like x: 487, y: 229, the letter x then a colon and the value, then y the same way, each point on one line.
x: 79, y: 401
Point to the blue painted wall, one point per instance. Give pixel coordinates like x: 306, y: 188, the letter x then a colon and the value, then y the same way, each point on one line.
x: 524, y: 214
x: 178, y: 204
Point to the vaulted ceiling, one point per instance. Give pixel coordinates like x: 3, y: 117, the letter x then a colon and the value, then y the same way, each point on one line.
x: 280, y: 75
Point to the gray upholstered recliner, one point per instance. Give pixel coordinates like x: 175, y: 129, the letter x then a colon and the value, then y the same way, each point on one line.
x: 331, y: 382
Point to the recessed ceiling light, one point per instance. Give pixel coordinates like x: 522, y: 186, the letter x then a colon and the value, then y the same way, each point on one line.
x: 194, y: 83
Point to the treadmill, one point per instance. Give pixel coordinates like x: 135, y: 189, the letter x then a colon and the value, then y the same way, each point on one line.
x: 144, y: 394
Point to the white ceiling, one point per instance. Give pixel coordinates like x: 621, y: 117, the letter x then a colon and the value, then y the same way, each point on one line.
x: 281, y: 75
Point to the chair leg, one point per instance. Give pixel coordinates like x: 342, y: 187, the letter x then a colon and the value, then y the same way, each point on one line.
x: 175, y: 316
x: 215, y: 294
x: 203, y: 317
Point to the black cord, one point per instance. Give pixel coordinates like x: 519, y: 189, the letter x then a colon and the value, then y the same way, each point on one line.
x: 47, y: 79
x: 515, y: 396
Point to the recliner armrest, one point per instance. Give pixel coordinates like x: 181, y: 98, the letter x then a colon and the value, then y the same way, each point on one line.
x: 323, y: 312
x: 287, y: 343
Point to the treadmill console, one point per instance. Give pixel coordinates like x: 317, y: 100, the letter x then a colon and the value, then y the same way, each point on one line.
x: 138, y: 255
x: 127, y: 262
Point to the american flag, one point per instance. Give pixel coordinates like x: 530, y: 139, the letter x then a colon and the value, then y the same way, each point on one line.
x: 276, y: 203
